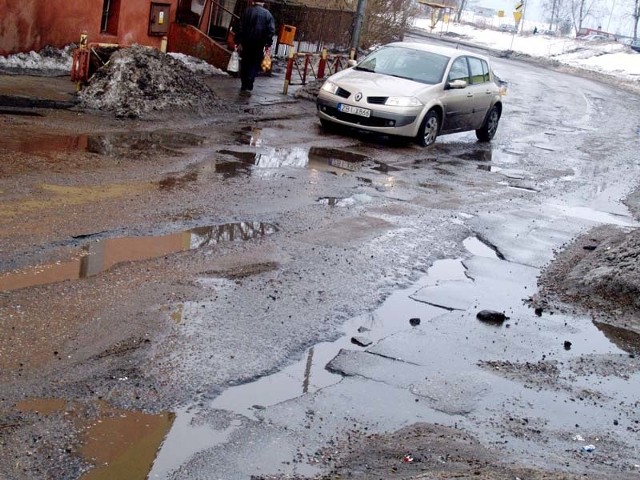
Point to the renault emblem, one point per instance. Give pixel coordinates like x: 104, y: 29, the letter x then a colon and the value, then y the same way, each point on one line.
x: 358, y: 96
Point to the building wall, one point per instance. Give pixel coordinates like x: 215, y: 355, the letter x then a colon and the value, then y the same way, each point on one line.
x: 27, y: 25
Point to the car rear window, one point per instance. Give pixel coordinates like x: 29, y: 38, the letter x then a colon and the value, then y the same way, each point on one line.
x: 417, y: 65
x: 479, y: 70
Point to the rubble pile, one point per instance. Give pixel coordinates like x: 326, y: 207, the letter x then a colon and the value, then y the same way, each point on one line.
x: 599, y: 271
x: 138, y: 82
x: 611, y: 272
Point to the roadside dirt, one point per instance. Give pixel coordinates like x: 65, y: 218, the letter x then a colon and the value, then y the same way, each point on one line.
x: 423, y: 451
x: 598, y: 275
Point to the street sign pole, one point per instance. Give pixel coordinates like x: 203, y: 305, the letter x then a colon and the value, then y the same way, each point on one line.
x: 357, y: 27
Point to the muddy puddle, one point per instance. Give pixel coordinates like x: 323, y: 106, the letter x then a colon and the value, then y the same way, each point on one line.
x: 141, y: 143
x: 256, y: 152
x: 315, y: 158
x: 119, y: 443
x: 44, y: 143
x: 62, y: 196
x: 101, y: 255
x: 438, y: 351
x: 109, y: 144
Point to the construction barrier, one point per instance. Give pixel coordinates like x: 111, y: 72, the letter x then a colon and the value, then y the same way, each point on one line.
x: 81, y: 67
x: 315, y: 66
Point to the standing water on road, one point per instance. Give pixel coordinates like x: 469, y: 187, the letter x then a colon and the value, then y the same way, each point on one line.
x: 96, y: 257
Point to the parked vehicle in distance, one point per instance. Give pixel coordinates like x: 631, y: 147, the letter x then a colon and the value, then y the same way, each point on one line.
x: 507, y: 27
x: 596, y: 37
x: 635, y: 45
x: 415, y: 90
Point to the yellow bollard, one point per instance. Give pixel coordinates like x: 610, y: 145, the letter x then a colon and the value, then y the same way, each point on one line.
x: 84, y: 41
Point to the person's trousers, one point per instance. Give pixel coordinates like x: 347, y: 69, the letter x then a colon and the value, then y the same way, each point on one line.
x: 250, y: 65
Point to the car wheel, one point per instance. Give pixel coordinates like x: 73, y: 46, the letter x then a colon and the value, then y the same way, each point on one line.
x: 429, y: 129
x: 490, y: 127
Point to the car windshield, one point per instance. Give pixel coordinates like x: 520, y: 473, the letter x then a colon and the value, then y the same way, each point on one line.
x: 417, y: 65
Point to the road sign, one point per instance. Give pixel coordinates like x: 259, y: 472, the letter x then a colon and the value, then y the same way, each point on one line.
x: 501, y: 13
x: 517, y: 16
x: 519, y: 6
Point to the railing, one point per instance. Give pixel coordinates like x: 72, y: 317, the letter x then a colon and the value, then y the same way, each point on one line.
x: 302, y: 66
x: 81, y: 67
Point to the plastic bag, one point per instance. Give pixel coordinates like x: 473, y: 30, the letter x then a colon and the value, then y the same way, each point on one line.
x: 266, y: 60
x: 234, y: 62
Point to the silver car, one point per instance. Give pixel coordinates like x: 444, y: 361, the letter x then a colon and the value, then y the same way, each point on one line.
x: 414, y: 90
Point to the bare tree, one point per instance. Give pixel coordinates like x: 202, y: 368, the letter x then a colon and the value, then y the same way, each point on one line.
x: 461, y: 6
x: 553, y: 7
x: 388, y: 20
x: 581, y: 10
x: 636, y: 17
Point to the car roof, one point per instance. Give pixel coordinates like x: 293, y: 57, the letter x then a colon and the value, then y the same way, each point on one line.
x: 446, y: 51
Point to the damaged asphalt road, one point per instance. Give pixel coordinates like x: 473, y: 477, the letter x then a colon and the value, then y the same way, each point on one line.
x: 190, y: 298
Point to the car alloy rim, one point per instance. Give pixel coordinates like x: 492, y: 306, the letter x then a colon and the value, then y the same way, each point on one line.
x: 493, y: 122
x: 431, y: 131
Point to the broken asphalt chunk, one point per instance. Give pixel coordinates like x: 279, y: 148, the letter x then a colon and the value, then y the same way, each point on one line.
x: 491, y: 316
x: 361, y: 341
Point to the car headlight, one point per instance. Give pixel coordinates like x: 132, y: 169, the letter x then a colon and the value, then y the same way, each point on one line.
x: 403, y: 102
x: 329, y: 86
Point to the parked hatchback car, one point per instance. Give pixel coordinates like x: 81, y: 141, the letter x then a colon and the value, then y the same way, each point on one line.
x: 414, y: 90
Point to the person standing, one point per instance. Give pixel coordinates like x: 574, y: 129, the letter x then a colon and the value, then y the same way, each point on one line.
x: 255, y: 33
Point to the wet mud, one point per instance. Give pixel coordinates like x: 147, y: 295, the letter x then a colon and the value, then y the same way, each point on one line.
x: 131, y: 348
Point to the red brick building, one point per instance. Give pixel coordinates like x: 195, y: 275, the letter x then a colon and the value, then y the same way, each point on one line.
x: 27, y: 25
x: 197, y: 27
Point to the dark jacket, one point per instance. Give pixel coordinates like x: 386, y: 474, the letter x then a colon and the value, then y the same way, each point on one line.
x: 257, y: 28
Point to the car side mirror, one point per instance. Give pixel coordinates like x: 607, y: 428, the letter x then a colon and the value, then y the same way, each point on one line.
x: 352, y: 63
x: 457, y: 84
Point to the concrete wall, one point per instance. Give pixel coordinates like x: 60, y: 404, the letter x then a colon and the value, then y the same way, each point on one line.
x: 27, y: 25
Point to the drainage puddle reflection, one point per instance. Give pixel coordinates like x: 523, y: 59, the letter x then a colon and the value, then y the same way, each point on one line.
x: 453, y: 348
x: 111, y: 144
x: 317, y: 158
x: 119, y: 443
x: 307, y: 375
x: 99, y: 256
x: 44, y: 143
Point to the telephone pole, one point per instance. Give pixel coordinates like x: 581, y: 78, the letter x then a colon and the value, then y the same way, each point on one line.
x: 357, y: 26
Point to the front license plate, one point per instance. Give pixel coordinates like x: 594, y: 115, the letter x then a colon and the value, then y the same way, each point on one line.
x: 363, y: 112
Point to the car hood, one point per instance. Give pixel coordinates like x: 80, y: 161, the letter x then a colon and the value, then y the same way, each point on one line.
x: 376, y: 84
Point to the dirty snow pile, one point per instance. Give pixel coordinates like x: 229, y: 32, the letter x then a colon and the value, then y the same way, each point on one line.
x: 197, y: 65
x: 49, y: 61
x: 138, y: 81
x: 309, y: 91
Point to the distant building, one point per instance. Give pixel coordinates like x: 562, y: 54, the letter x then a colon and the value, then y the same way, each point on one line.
x: 485, y: 11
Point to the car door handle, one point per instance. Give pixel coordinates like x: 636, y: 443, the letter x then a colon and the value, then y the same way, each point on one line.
x: 469, y: 95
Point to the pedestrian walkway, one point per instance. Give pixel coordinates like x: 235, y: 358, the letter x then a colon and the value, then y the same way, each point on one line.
x: 267, y: 90
x: 28, y: 91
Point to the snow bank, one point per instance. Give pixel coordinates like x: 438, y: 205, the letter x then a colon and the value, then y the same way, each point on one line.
x: 139, y: 81
x: 49, y: 60
x: 612, y: 58
x: 198, y: 66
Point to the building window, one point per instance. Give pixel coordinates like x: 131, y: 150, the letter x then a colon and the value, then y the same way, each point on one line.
x: 110, y: 14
